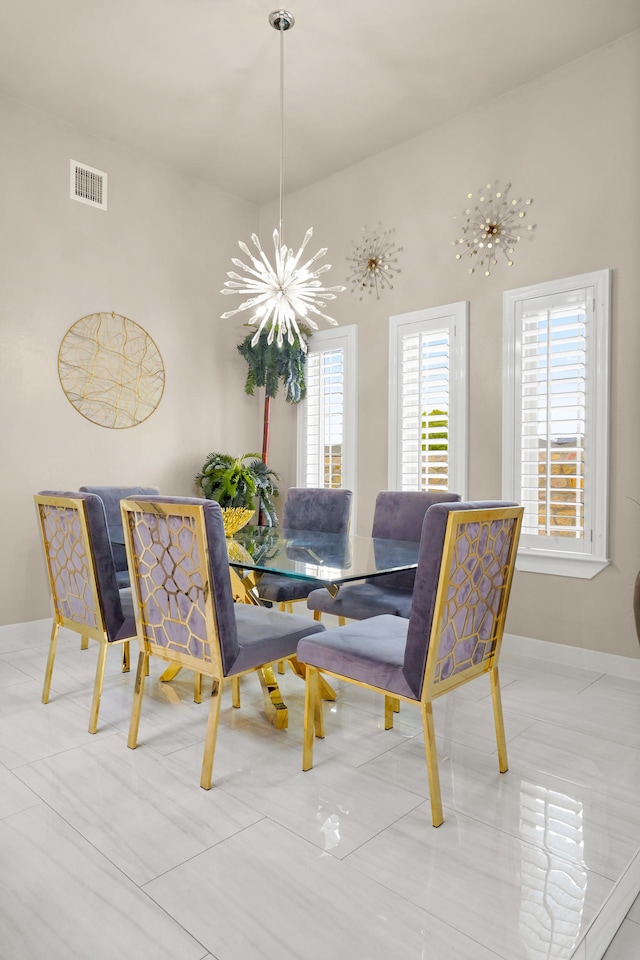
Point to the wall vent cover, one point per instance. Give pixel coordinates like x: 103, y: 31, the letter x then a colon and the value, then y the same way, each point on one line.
x: 88, y: 185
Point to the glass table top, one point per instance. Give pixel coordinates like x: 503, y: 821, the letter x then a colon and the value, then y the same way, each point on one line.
x: 309, y: 555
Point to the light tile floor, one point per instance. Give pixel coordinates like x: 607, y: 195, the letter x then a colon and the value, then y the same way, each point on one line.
x: 107, y: 852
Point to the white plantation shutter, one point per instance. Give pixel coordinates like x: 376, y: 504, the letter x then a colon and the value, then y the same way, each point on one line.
x: 555, y: 425
x: 427, y: 420
x: 326, y: 419
x: 552, y: 427
x: 424, y: 411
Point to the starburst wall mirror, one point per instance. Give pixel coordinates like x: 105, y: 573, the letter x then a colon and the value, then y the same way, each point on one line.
x: 492, y: 228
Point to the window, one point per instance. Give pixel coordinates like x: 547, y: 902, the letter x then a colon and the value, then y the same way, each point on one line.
x: 327, y: 418
x: 556, y: 421
x: 428, y: 399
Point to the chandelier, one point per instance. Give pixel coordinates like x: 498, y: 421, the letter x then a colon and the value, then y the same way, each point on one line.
x: 287, y: 292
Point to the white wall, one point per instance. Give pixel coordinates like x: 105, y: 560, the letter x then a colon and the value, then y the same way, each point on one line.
x: 158, y: 255
x: 571, y: 141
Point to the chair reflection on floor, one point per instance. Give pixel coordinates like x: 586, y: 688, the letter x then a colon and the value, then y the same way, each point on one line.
x: 398, y: 515
x: 454, y: 634
x: 82, y: 578
x: 185, y: 612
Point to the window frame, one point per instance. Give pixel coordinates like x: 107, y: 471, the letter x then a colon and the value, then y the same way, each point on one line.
x: 551, y: 558
x: 346, y: 338
x: 454, y: 317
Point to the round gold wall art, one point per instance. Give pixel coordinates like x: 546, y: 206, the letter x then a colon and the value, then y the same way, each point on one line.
x: 111, y: 370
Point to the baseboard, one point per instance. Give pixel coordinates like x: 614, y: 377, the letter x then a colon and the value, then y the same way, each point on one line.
x: 605, y: 926
x: 595, y: 660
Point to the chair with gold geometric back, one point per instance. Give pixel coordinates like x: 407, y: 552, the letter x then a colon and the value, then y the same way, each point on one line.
x: 453, y: 635
x: 82, y: 580
x: 185, y: 614
x: 306, y: 508
x: 398, y: 515
x: 111, y: 497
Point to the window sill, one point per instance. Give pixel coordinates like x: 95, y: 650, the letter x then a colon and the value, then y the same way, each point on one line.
x: 560, y: 564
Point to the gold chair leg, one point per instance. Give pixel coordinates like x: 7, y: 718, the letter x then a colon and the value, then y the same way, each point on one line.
x: 280, y: 666
x: 97, y: 686
x: 318, y: 716
x: 53, y: 642
x: 212, y: 732
x: 235, y: 692
x: 138, y: 690
x: 498, y: 720
x: 317, y: 615
x: 84, y: 642
x: 389, y: 709
x: 197, y: 688
x: 341, y: 621
x: 432, y: 763
x: 313, y: 720
x: 126, y: 662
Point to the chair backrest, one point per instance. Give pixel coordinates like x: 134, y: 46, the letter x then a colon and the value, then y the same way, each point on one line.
x: 179, y: 569
x: 79, y: 561
x: 399, y: 515
x: 111, y: 497
x: 466, y: 563
x: 314, y: 508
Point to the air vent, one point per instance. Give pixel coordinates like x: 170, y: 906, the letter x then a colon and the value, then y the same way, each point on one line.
x: 88, y: 185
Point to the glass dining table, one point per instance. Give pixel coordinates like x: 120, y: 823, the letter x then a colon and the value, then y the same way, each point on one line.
x: 322, y: 559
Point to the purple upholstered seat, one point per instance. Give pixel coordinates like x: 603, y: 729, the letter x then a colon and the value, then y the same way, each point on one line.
x: 462, y: 584
x: 111, y: 497
x: 307, y: 508
x: 82, y: 578
x: 184, y: 605
x: 398, y: 515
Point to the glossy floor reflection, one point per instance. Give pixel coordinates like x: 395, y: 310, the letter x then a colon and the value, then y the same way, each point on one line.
x: 108, y: 852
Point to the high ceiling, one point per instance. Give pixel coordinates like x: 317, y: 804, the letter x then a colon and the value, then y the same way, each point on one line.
x: 194, y: 84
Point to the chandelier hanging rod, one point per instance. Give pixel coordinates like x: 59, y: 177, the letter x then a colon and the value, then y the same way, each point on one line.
x: 281, y: 20
x: 286, y: 297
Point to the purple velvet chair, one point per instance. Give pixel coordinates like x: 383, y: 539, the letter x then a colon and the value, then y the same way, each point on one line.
x: 184, y: 608
x: 454, y: 633
x: 398, y: 515
x: 82, y: 578
x: 306, y: 508
x: 111, y: 497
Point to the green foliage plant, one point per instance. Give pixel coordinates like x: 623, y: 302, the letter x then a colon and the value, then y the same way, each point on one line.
x: 238, y: 481
x: 269, y: 365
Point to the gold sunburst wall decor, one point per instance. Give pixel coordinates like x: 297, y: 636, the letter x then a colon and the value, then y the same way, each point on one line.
x: 492, y: 226
x: 111, y: 370
x: 374, y: 258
